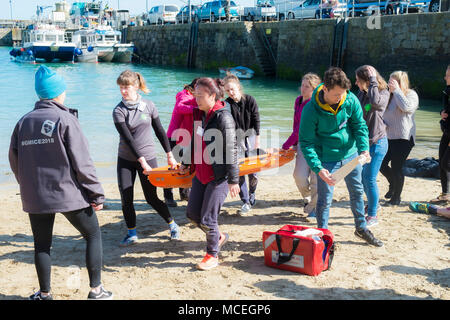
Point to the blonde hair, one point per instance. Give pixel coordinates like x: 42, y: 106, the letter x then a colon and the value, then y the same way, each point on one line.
x: 313, y: 79
x: 131, y: 78
x: 402, y: 79
x: 232, y: 78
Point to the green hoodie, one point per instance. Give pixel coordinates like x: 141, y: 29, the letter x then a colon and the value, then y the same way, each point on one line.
x: 326, y: 135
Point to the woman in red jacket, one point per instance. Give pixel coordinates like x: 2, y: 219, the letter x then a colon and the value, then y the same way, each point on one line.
x: 216, y: 172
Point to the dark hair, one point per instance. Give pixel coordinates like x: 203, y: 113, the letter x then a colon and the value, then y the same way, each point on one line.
x: 212, y: 85
x: 334, y: 76
x: 363, y: 74
x: 190, y: 87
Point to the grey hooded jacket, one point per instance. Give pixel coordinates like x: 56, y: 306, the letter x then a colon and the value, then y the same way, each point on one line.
x: 50, y: 158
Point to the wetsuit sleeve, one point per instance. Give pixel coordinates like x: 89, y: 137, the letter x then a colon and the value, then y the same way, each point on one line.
x: 125, y: 133
x: 161, y: 134
x: 78, y: 152
x: 13, y: 154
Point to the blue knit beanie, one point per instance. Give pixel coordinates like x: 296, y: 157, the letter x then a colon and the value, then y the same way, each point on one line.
x: 48, y: 84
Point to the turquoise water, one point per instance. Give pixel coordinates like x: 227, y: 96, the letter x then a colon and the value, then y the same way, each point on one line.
x: 91, y: 88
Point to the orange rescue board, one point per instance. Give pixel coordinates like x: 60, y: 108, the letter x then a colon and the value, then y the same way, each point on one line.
x: 173, y: 178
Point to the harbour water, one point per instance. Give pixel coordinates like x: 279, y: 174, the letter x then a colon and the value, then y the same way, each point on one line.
x: 92, y: 89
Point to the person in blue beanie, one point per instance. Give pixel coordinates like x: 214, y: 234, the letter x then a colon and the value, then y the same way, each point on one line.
x: 49, y: 156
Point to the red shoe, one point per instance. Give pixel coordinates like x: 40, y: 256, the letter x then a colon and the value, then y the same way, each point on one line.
x: 208, y: 262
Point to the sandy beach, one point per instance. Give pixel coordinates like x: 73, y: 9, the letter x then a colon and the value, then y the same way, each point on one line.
x: 413, y: 264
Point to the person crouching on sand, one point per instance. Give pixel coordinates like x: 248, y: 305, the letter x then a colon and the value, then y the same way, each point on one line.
x: 332, y: 133
x: 216, y: 173
x: 49, y: 156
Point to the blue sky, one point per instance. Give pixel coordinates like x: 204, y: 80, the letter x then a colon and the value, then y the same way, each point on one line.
x: 26, y: 9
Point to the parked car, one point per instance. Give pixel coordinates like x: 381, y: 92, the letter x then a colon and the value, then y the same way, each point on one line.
x: 264, y: 10
x: 164, y: 13
x: 215, y: 10
x: 362, y: 8
x: 315, y: 8
x: 408, y: 6
x: 183, y: 14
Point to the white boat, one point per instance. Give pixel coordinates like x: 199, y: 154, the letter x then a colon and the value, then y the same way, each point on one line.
x: 107, y: 42
x: 85, y: 41
x: 123, y: 52
x: 44, y: 43
x: 240, y: 72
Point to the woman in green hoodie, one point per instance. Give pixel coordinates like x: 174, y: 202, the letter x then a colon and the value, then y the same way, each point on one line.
x: 332, y: 133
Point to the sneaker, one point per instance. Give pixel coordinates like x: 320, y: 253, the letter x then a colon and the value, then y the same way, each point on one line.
x: 128, y: 241
x: 245, y: 209
x: 418, y: 207
x: 208, y: 262
x: 368, y: 236
x: 312, y: 214
x: 170, y: 202
x: 102, y: 295
x: 371, y: 221
x: 252, y: 199
x: 223, y: 239
x: 38, y: 296
x: 174, y: 232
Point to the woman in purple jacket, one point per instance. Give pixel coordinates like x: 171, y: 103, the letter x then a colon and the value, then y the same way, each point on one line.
x: 374, y: 98
x: 304, y: 177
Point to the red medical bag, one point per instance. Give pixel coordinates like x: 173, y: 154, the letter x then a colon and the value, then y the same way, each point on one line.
x: 287, y: 251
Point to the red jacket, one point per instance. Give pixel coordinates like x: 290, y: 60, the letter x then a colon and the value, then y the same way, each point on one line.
x: 182, y: 115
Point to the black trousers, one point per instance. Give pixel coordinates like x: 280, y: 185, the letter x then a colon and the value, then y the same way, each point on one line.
x: 126, y: 175
x: 85, y: 221
x: 444, y: 156
x: 398, y: 152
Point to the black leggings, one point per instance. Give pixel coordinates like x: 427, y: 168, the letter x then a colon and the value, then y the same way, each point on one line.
x: 126, y: 175
x: 85, y: 221
x: 444, y: 155
x: 397, y: 154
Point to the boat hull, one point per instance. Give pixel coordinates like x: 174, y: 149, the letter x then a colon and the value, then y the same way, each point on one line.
x: 54, y: 53
x: 105, y: 54
x: 88, y: 57
x: 123, y: 54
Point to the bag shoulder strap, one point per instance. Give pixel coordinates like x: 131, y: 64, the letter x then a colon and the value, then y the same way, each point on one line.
x: 284, y: 257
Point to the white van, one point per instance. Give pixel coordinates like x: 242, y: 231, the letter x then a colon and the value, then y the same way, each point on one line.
x: 163, y: 13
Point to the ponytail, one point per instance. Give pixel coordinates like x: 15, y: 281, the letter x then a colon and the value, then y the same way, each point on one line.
x: 142, y: 83
x: 131, y: 78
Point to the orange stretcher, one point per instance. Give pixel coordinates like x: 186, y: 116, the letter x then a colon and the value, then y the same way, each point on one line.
x: 165, y: 177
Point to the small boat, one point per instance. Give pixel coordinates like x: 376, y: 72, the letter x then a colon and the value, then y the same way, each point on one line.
x: 85, y: 41
x: 240, y: 72
x: 109, y: 46
x: 165, y: 177
x: 43, y: 42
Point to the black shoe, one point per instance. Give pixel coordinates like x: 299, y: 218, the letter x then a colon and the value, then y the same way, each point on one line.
x: 392, y: 202
x: 170, y: 202
x: 38, y: 296
x: 252, y: 199
x: 102, y: 295
x: 368, y: 236
x: 388, y: 195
